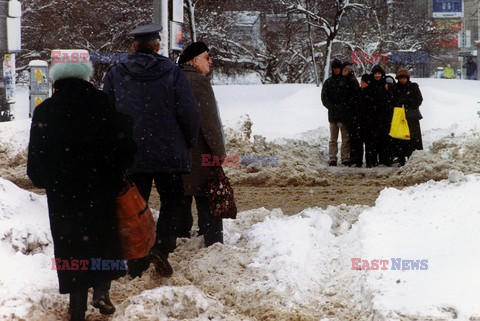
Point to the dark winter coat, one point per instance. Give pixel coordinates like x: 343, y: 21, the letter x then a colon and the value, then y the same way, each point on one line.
x: 156, y: 94
x: 409, y: 95
x: 336, y: 98
x: 210, y: 139
x: 471, y: 68
x: 353, y: 91
x: 79, y: 146
x: 362, y: 111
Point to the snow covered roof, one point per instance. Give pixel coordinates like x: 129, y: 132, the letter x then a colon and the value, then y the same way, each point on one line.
x: 244, y: 18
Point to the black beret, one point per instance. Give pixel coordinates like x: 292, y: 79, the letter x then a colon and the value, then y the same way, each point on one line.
x: 194, y: 49
x: 151, y: 31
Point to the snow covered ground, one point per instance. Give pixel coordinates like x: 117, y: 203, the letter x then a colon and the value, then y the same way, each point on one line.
x: 299, y: 267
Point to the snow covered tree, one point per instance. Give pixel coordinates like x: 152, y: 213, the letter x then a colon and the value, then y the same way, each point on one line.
x: 89, y: 24
x: 326, y: 17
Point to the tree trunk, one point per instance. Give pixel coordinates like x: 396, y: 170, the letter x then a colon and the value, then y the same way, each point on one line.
x: 328, y: 53
x: 312, y: 49
x: 191, y: 16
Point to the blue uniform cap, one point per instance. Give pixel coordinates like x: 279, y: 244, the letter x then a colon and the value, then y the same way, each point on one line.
x: 150, y: 31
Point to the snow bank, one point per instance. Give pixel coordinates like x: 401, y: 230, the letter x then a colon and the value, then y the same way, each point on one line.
x: 435, y: 221
x: 25, y: 251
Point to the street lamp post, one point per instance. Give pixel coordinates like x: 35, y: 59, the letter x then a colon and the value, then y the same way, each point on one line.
x: 3, y: 50
x: 10, y: 42
x: 160, y: 16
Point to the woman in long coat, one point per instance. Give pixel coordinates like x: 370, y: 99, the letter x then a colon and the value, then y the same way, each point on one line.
x: 380, y: 117
x: 408, y: 94
x: 79, y: 147
x: 195, y: 62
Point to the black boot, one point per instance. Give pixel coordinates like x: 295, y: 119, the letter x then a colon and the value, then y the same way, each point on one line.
x: 101, y: 298
x: 78, y: 305
x: 160, y: 261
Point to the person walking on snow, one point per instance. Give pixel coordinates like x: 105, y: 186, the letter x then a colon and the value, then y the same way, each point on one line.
x: 79, y: 147
x: 156, y: 94
x: 196, y: 62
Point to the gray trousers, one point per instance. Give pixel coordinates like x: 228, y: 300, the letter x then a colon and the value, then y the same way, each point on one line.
x: 333, y: 144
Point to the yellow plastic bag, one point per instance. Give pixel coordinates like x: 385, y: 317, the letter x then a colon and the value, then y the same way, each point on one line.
x: 399, y: 128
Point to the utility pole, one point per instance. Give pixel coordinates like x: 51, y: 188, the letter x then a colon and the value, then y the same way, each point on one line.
x: 10, y: 42
x: 160, y: 16
x: 3, y: 50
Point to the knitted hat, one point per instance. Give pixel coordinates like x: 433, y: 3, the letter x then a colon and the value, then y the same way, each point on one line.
x: 348, y: 67
x: 378, y: 68
x: 403, y: 73
x: 194, y: 49
x: 336, y: 63
x: 72, y: 63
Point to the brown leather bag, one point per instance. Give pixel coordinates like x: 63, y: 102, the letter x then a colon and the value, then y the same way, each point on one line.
x: 136, y: 226
x: 220, y: 196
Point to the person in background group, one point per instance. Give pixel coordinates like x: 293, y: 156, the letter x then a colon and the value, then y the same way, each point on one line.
x: 335, y: 97
x: 362, y: 128
x: 79, y: 147
x: 381, y: 116
x: 471, y: 67
x: 408, y: 94
x: 157, y: 95
x: 353, y: 88
x: 196, y: 63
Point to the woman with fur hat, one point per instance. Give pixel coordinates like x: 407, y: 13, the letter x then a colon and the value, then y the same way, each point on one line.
x: 79, y: 147
x: 408, y: 94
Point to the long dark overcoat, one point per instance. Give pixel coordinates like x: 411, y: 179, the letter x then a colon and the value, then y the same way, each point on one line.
x: 408, y: 95
x: 210, y: 138
x: 78, y: 148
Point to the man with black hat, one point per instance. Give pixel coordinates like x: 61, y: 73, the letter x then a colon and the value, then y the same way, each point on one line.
x: 156, y: 94
x: 196, y: 62
x: 335, y: 97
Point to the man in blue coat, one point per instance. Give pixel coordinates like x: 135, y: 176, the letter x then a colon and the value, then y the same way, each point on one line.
x: 156, y: 94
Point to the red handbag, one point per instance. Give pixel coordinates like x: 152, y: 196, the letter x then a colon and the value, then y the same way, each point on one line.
x: 136, y: 226
x: 220, y: 196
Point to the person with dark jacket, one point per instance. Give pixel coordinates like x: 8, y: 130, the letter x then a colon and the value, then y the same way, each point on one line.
x: 196, y: 62
x: 360, y: 127
x: 156, y: 94
x: 407, y: 94
x: 380, y: 117
x: 79, y: 147
x: 471, y: 67
x: 353, y: 92
x: 335, y: 97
